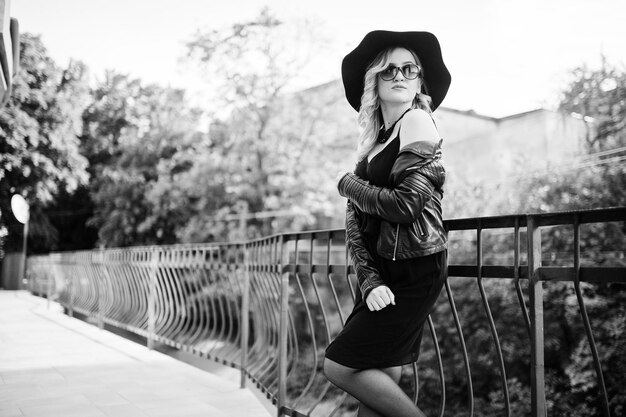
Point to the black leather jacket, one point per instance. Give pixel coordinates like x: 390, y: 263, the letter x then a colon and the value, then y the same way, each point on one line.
x: 410, y: 211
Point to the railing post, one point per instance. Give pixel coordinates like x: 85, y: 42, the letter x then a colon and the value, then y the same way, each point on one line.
x: 100, y: 267
x: 537, y: 376
x: 50, y: 288
x: 154, y: 264
x: 29, y: 283
x: 71, y: 290
x: 245, y: 312
x: 283, y: 336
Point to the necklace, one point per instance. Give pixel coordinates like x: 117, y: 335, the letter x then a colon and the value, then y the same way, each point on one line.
x: 385, y: 134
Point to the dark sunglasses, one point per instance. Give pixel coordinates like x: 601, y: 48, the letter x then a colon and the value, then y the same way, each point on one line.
x: 409, y: 71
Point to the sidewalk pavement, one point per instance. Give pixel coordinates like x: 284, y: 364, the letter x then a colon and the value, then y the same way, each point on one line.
x: 54, y: 365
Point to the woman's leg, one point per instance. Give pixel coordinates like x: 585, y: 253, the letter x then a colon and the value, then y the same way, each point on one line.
x: 374, y: 388
x: 395, y: 373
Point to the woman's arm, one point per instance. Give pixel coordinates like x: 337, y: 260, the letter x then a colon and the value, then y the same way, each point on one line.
x: 402, y: 204
x: 366, y: 272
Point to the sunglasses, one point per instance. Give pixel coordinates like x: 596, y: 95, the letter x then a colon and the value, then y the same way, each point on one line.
x: 409, y: 71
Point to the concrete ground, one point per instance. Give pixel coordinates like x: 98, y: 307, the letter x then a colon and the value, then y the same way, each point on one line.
x: 54, y: 365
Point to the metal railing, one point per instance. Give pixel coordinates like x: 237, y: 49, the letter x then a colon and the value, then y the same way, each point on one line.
x: 270, y: 306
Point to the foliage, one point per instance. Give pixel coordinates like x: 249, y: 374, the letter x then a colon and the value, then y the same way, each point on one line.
x: 269, y: 143
x: 39, y: 149
x: 601, y: 95
x: 133, y: 136
x: 598, y: 181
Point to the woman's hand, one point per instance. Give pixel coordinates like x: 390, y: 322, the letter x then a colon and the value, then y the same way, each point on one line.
x: 379, y: 298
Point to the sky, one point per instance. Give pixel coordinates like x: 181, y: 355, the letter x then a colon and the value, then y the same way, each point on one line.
x: 505, y: 56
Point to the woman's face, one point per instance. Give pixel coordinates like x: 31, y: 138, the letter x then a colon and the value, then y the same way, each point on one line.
x: 399, y: 89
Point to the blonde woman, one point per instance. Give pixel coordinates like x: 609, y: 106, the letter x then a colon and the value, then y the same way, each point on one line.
x: 394, y: 227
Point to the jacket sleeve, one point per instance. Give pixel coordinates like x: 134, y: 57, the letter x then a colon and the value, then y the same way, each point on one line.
x: 366, y: 273
x: 401, y: 204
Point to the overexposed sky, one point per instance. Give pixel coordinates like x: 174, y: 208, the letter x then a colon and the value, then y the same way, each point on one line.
x: 505, y: 56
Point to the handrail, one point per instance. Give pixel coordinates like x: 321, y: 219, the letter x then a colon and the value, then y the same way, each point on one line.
x: 269, y: 306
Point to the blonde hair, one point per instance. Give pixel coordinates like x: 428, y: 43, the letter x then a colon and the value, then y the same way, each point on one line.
x: 370, y: 118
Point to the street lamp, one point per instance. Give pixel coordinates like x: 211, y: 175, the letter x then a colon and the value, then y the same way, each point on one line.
x: 21, y: 211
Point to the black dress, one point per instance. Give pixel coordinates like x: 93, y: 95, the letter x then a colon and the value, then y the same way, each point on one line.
x: 391, y: 336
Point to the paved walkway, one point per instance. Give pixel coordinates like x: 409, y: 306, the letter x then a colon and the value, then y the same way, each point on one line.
x: 54, y: 365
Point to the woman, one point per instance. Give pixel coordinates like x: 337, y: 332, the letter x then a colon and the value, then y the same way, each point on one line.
x: 394, y: 227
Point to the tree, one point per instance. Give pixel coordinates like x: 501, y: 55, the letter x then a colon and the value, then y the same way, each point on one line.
x: 131, y: 136
x: 271, y: 143
x: 599, y: 94
x: 39, y: 148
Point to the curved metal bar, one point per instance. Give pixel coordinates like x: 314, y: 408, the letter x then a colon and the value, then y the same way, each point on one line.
x: 173, y: 310
x: 258, y: 326
x: 177, y: 272
x: 492, y: 325
x: 133, y: 292
x: 340, y: 403
x: 140, y: 295
x: 203, y: 302
x: 265, y: 299
x: 123, y: 295
x: 119, y: 270
x: 197, y: 317
x: 158, y: 296
x: 233, y: 307
x: 326, y: 386
x: 288, y: 332
x: 121, y: 282
x: 212, y: 339
x: 115, y: 303
x: 331, y: 284
x: 459, y: 331
x: 106, y: 298
x: 260, y: 315
x: 416, y: 386
x: 442, y: 380
x: 516, y: 276
x: 604, y: 400
x: 195, y: 327
x: 311, y: 377
x: 117, y: 274
x: 144, y: 273
x: 317, y: 400
x: 266, y: 341
x: 266, y: 367
x: 220, y: 302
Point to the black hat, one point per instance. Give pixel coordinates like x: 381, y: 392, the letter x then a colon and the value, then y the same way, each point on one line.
x: 424, y: 44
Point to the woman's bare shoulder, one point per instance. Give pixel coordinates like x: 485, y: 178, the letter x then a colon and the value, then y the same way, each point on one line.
x: 417, y: 125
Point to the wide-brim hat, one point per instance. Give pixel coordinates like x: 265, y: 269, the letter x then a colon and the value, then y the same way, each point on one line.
x: 424, y: 44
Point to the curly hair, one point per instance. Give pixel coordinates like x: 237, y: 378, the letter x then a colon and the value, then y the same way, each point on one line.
x: 370, y: 117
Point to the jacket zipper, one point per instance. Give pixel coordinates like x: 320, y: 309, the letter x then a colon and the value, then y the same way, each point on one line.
x: 420, y: 228
x: 395, y: 247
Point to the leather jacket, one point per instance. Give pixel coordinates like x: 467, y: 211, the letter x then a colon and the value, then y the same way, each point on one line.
x: 410, y: 211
